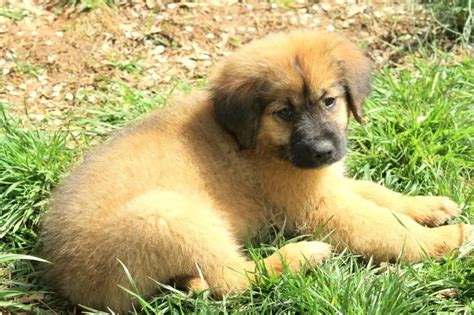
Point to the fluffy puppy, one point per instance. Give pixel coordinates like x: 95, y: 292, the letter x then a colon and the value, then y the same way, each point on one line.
x: 174, y: 196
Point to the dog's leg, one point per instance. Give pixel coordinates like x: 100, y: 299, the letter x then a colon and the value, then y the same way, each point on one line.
x: 426, y: 210
x: 292, y: 256
x: 192, y: 284
x: 191, y: 242
x: 372, y: 230
x: 163, y: 236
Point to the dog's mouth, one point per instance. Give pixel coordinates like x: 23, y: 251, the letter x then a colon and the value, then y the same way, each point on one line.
x: 306, y: 163
x: 313, y: 155
x: 316, y: 154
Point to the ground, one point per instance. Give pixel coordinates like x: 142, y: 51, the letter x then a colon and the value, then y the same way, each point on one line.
x: 73, y: 74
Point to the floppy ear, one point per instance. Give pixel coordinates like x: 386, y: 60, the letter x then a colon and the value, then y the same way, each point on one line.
x: 356, y: 71
x: 238, y: 107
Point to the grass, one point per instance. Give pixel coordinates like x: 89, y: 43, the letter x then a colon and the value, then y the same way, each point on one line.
x: 13, y: 13
x: 84, y: 5
x: 455, y: 17
x: 131, y: 66
x: 30, y: 164
x: 30, y: 69
x: 417, y: 139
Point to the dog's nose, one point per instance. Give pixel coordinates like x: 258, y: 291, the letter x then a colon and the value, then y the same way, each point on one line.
x: 322, y: 150
x: 314, y: 153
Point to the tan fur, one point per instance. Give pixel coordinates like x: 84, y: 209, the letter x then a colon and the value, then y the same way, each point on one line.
x: 175, y: 196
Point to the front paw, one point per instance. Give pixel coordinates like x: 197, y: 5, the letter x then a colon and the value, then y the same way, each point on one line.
x: 432, y: 211
x: 295, y: 255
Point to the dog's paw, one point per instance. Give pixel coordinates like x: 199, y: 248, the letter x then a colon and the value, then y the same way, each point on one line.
x: 298, y: 254
x: 193, y: 285
x: 432, y: 211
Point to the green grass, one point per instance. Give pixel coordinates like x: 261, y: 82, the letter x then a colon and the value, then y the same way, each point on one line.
x: 134, y: 66
x: 419, y: 134
x: 30, y: 164
x: 417, y: 139
x: 30, y: 69
x: 84, y: 5
x: 110, y: 105
x: 13, y: 13
x: 455, y: 17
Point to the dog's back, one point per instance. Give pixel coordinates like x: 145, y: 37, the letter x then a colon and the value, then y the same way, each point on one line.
x: 99, y: 214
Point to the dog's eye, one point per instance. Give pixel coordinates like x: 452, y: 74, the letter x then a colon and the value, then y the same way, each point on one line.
x: 329, y: 102
x: 284, y: 113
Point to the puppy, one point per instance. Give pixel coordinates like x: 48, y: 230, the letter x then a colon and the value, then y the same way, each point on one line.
x: 174, y: 197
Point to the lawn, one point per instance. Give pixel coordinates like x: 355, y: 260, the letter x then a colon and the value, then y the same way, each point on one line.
x: 417, y: 139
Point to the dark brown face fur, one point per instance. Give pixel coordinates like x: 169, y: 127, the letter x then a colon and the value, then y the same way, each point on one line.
x: 291, y: 96
x: 308, y: 128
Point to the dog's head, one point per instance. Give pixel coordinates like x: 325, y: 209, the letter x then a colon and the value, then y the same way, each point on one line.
x: 291, y: 95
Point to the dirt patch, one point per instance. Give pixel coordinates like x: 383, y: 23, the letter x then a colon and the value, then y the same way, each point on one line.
x: 46, y: 58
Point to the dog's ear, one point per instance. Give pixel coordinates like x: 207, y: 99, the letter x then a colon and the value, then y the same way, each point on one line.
x: 237, y: 105
x: 356, y: 71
